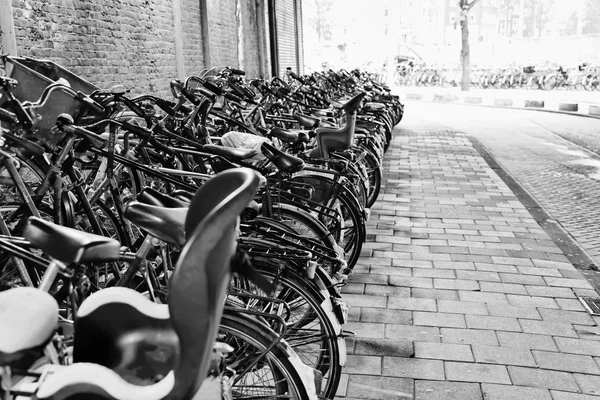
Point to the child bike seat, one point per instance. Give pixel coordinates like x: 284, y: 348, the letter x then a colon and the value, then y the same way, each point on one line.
x: 163, y: 350
x: 28, y: 318
x: 331, y: 139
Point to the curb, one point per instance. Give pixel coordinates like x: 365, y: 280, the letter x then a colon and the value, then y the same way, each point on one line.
x: 583, y: 109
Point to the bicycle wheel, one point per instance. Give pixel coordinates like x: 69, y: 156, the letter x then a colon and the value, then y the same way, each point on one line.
x: 312, y: 328
x: 263, y: 371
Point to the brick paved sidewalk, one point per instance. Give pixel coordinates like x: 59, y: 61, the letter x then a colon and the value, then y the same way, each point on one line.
x: 459, y: 293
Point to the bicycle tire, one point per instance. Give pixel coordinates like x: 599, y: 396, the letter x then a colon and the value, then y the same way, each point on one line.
x: 247, y: 335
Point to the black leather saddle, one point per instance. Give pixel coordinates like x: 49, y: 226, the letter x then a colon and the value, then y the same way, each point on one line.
x: 70, y: 245
x: 283, y: 162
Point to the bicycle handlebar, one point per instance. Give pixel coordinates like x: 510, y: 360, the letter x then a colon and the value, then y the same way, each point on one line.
x: 8, y: 116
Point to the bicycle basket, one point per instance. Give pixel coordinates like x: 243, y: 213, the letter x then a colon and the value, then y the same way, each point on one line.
x: 35, y: 75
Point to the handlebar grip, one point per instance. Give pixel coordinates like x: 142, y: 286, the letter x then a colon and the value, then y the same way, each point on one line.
x: 90, y: 103
x: 232, y: 97
x: 165, y: 105
x: 140, y: 131
x: 213, y: 88
x: 237, y: 90
x: 64, y: 121
x: 206, y: 93
x: 22, y: 114
x: 236, y: 71
x: 8, y: 116
x: 190, y: 96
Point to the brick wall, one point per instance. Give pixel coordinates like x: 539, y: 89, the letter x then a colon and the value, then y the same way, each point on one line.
x: 132, y: 42
x: 222, y: 25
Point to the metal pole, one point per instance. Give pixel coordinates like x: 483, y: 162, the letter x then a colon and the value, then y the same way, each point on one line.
x: 7, y: 28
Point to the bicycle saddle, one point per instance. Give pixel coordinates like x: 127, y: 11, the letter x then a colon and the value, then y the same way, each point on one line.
x: 374, y: 107
x: 229, y: 153
x: 307, y: 121
x: 283, y: 161
x: 143, y: 350
x: 164, y: 223
x: 290, y: 136
x: 155, y: 198
x: 69, y: 245
x: 28, y: 318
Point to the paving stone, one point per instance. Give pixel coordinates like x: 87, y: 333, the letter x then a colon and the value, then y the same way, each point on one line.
x: 434, y: 294
x: 481, y: 266
x: 431, y: 257
x: 414, y: 304
x: 354, y: 313
x: 503, y: 310
x: 566, y: 362
x: 553, y: 264
x: 411, y: 333
x: 526, y: 341
x: 386, y: 316
x: 558, y: 395
x: 478, y: 275
x: 454, y: 265
x: 539, y: 271
x: 426, y: 283
x: 353, y: 288
x: 386, y: 270
x: 516, y: 261
x: 471, y: 372
x: 503, y: 355
x: 436, y: 390
x: 589, y: 384
x: 493, y: 323
x: 543, y: 378
x: 384, y: 290
x: 439, y: 319
x: 433, y: 273
x: 572, y: 317
x: 383, y: 347
x: 362, y: 300
x: 570, y: 304
x: 370, y: 278
x: 468, y: 336
x: 380, y: 387
x: 531, y: 301
x: 413, y: 368
x: 550, y: 291
x: 455, y: 284
x: 363, y: 365
x: 566, y: 282
x: 342, y: 388
x: 366, y: 329
x: 461, y: 307
x: 504, y: 392
x: 443, y: 351
x: 482, y: 297
x: 578, y: 346
x: 547, y: 328
x: 522, y: 279
x: 496, y: 287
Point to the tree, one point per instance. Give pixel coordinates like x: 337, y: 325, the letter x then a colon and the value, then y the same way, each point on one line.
x: 465, y: 58
x: 591, y: 20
